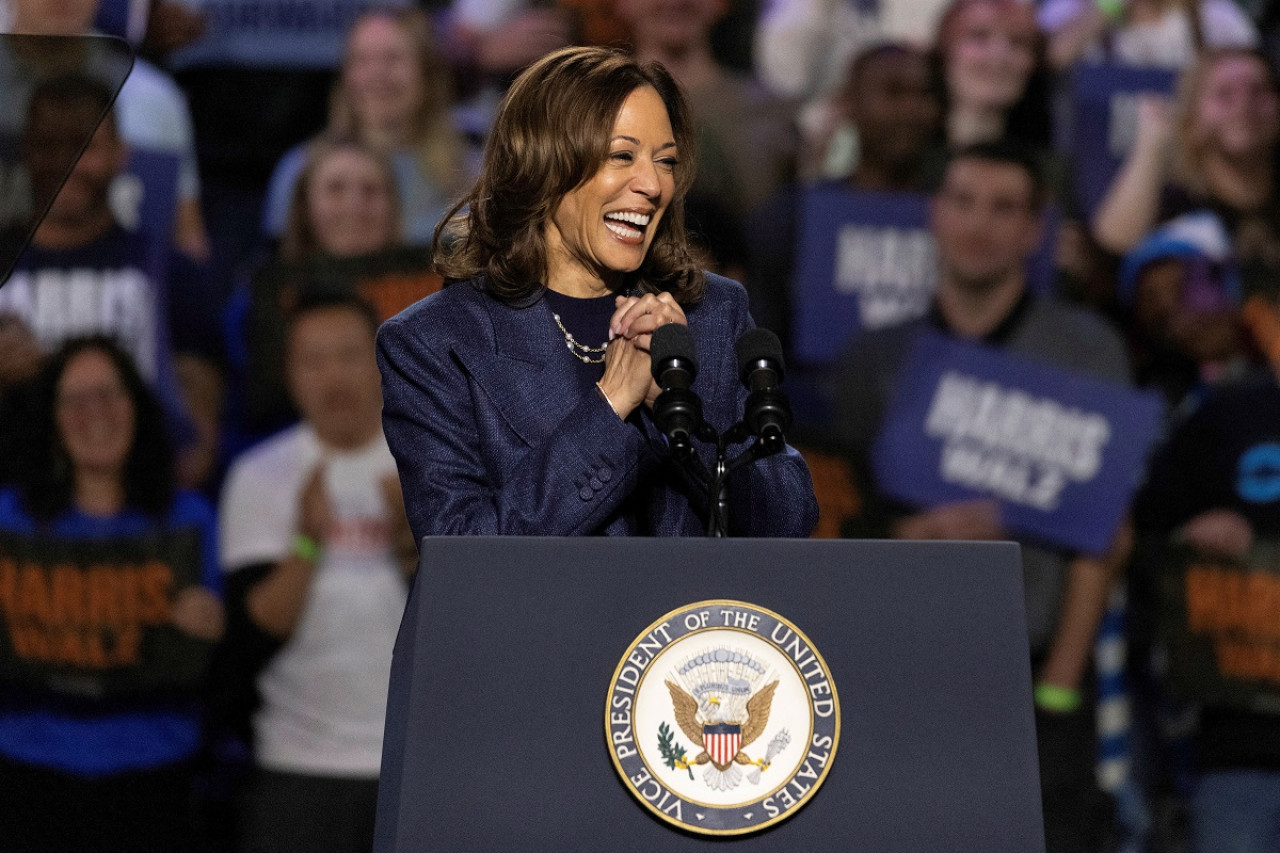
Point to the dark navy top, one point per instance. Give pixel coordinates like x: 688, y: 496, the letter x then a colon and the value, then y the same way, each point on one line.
x: 588, y: 321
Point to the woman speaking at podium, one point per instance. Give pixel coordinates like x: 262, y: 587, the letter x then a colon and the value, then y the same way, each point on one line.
x: 518, y: 400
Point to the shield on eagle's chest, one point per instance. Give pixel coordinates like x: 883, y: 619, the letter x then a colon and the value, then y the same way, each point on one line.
x: 722, y: 741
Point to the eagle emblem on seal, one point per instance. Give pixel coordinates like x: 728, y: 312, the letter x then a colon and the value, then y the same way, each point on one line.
x: 721, y: 700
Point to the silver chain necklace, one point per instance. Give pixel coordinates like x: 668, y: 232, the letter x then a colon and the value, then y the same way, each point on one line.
x: 581, y: 352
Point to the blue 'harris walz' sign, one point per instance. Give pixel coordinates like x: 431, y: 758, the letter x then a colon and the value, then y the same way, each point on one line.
x: 1061, y: 453
x: 866, y: 260
x: 1102, y: 121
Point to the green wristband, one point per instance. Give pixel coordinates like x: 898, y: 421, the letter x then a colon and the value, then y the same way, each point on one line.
x: 1113, y: 9
x: 306, y: 548
x: 1050, y: 697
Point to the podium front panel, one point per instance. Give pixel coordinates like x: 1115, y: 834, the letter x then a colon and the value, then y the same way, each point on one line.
x: 495, y: 734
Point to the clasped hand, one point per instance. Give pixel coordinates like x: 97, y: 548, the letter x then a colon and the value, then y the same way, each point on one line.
x: 628, y: 379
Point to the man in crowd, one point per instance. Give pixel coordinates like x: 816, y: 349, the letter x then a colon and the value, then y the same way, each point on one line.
x: 890, y: 98
x: 151, y: 111
x: 987, y: 222
x: 85, y: 274
x: 318, y: 551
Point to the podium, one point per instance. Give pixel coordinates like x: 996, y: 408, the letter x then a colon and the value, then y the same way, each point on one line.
x: 496, y: 723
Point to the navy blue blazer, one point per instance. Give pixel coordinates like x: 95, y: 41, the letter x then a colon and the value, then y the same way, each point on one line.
x: 492, y: 433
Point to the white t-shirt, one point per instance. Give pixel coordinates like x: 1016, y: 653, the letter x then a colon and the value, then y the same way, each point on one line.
x: 324, y: 695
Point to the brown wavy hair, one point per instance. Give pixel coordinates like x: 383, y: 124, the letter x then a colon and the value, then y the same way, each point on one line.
x: 551, y: 135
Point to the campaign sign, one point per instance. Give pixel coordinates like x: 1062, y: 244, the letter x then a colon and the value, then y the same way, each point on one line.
x: 1102, y: 121
x: 1061, y: 453
x: 130, y: 305
x: 301, y: 34
x: 90, y: 617
x: 1220, y: 618
x: 863, y: 261
x: 866, y: 260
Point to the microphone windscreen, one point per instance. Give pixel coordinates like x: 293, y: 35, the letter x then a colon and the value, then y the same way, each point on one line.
x: 756, y: 345
x: 671, y: 342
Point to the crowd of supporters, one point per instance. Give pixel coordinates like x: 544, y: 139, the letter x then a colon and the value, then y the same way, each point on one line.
x: 188, y: 378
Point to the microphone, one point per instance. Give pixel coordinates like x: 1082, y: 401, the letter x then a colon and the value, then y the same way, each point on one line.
x: 761, y: 367
x: 674, y: 364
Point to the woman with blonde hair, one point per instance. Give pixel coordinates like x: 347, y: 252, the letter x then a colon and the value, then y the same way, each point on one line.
x: 343, y: 233
x: 395, y: 94
x: 1216, y: 148
x: 344, y: 203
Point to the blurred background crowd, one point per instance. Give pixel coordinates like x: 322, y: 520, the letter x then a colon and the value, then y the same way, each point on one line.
x: 187, y: 350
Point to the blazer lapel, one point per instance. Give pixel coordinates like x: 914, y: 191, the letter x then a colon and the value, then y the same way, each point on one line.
x: 532, y: 376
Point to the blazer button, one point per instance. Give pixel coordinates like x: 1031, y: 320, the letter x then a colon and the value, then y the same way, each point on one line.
x: 596, y: 484
x: 604, y: 475
x: 586, y: 494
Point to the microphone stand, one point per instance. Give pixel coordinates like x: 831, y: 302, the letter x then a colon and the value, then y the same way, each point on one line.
x: 715, y: 481
x: 678, y: 412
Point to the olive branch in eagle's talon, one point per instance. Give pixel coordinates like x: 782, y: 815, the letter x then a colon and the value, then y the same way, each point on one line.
x: 673, y: 754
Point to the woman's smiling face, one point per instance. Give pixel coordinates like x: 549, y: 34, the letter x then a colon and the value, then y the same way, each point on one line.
x: 603, y: 228
x: 1238, y: 110
x: 350, y: 204
x: 990, y: 54
x: 382, y: 75
x: 95, y: 414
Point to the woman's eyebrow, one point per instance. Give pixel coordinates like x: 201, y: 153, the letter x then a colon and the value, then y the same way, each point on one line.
x: 635, y: 141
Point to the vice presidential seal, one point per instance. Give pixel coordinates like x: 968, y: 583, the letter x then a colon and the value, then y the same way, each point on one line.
x: 722, y: 718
